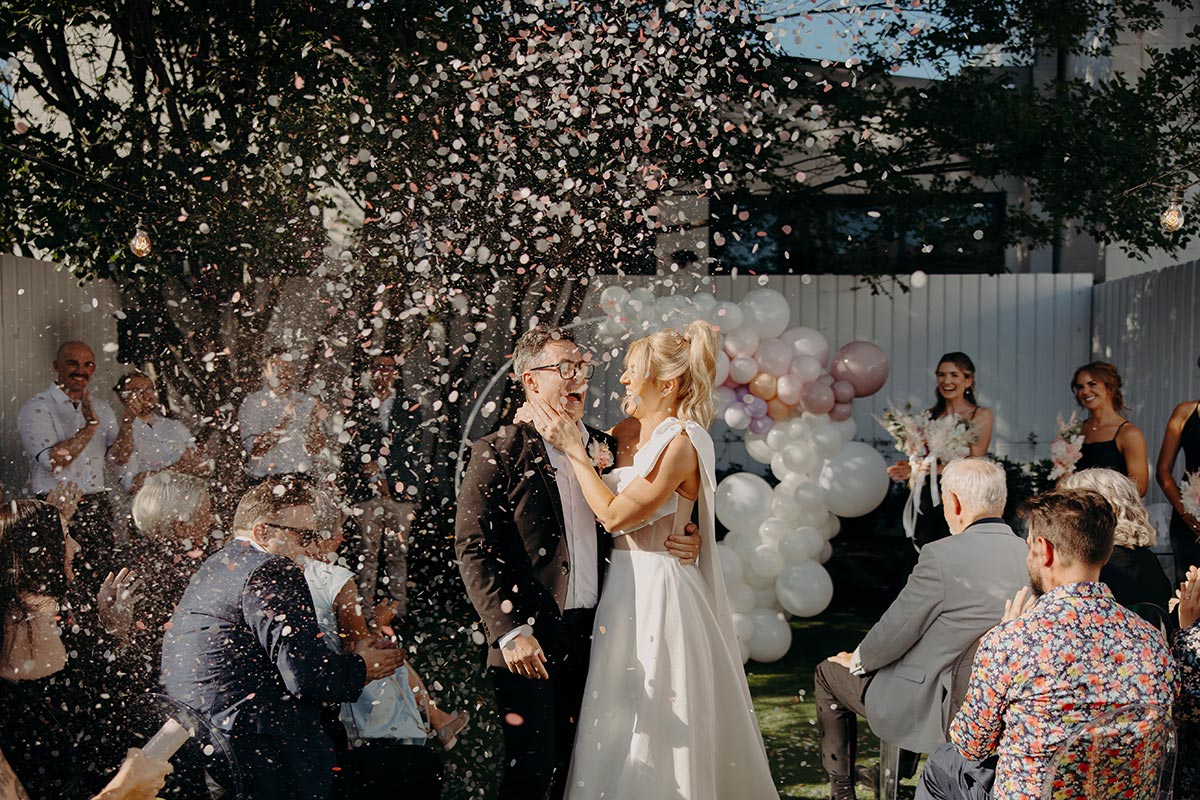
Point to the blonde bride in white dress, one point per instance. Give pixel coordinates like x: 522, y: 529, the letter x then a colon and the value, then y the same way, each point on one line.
x: 667, y: 712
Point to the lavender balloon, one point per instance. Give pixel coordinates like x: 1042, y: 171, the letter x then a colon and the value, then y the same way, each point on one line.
x: 761, y: 425
x: 863, y: 365
x: 755, y: 406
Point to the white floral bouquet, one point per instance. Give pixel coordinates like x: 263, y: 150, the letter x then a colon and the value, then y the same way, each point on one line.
x: 1189, y: 493
x: 1066, y: 448
x: 908, y: 431
x: 950, y: 437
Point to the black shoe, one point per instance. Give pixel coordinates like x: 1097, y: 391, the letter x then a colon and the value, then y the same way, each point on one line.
x: 868, y: 778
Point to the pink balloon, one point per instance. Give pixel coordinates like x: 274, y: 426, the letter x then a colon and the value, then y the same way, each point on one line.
x: 841, y: 412
x: 788, y: 388
x: 827, y: 379
x: 863, y: 365
x: 730, y: 382
x: 743, y: 369
x: 774, y: 356
x: 817, y: 398
x: 843, y: 391
x: 722, y: 368
x: 808, y: 368
x: 808, y: 342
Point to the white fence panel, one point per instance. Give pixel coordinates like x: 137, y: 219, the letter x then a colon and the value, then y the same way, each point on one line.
x: 1146, y: 325
x: 40, y: 307
x: 1025, y: 333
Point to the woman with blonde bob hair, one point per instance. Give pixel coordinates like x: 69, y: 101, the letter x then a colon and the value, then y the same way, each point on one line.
x: 666, y: 711
x: 1132, y: 572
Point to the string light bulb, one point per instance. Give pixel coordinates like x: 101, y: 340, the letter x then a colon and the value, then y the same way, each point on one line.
x: 1171, y: 220
x: 140, y: 243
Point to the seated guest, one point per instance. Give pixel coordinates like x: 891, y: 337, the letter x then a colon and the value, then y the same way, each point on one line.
x: 243, y: 649
x: 1068, y: 654
x: 280, y: 425
x: 378, y: 479
x: 1187, y: 705
x: 388, y: 726
x: 1133, y: 573
x: 147, y: 441
x: 899, y: 677
x: 173, y: 515
x: 37, y: 556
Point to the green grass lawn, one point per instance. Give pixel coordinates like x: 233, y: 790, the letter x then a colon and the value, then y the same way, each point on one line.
x: 783, y: 701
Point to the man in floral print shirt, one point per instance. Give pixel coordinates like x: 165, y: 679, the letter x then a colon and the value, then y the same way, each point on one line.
x: 1061, y: 657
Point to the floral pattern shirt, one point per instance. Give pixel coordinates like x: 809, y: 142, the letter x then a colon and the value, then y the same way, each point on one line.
x: 1073, y: 656
x: 1187, y: 711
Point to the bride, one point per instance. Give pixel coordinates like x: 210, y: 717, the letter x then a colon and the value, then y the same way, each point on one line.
x: 666, y: 712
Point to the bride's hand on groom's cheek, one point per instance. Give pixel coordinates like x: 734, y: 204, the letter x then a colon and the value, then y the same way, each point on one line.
x: 685, y: 546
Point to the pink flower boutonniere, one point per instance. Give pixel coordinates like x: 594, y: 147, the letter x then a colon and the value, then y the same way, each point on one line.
x: 601, y: 456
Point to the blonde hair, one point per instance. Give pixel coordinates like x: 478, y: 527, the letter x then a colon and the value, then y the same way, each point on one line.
x: 690, y: 357
x: 166, y: 498
x: 1133, y: 523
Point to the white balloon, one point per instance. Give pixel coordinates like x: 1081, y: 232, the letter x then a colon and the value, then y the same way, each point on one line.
x: 804, y: 589
x: 785, y: 508
x: 772, y: 530
x: 779, y: 467
x: 742, y: 501
x: 808, y: 493
x: 766, y: 312
x: 743, y: 369
x: 800, y: 457
x: 827, y: 439
x: 766, y: 560
x: 813, y: 515
x: 765, y: 598
x: 741, y: 598
x: 772, y: 636
x: 777, y: 438
x: 727, y: 317
x: 800, y: 545
x: 705, y: 305
x: 742, y: 342
x: 848, y: 428
x: 743, y: 626
x: 745, y: 547
x: 722, y: 368
x: 756, y: 581
x: 613, y: 298
x: 737, y: 417
x: 826, y: 552
x: 731, y: 564
x: 854, y: 480
x: 732, y: 538
x: 809, y: 342
x: 831, y: 527
x: 798, y: 429
x: 758, y: 449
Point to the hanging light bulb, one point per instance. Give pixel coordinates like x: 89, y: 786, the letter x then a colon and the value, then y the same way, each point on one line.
x: 140, y: 243
x: 1172, y: 218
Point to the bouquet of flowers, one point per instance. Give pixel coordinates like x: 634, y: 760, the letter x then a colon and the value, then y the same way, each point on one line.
x: 908, y: 431
x: 1189, y: 493
x: 950, y: 437
x: 1067, y: 447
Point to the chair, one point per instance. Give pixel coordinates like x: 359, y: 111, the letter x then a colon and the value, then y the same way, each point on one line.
x: 205, y: 767
x: 1128, y: 752
x: 1156, y: 615
x: 889, y: 754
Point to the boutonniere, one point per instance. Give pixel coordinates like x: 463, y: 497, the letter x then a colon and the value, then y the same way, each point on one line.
x: 602, y: 457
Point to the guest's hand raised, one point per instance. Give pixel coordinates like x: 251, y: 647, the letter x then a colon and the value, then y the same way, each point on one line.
x: 686, y: 545
x: 1022, y: 601
x: 115, y: 601
x: 65, y: 497
x: 1189, y: 598
x: 554, y: 426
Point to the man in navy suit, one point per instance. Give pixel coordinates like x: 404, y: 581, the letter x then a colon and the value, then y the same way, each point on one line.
x: 242, y: 648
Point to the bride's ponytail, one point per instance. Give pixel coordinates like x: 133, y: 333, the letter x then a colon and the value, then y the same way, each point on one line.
x: 696, y: 391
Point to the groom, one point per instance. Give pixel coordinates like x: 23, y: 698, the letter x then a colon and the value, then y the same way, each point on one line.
x: 533, y: 559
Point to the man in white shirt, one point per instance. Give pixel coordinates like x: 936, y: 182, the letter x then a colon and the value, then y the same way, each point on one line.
x: 532, y: 558
x: 281, y: 427
x: 148, y: 442
x: 66, y: 434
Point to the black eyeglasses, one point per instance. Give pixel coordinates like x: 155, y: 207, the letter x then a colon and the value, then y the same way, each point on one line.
x: 569, y: 369
x: 305, y: 533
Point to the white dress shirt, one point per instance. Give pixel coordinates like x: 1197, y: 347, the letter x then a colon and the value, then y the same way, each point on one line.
x: 261, y: 413
x: 157, y: 444
x: 583, y: 579
x: 52, y: 417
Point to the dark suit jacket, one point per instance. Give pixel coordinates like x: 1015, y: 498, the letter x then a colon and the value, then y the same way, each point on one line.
x: 243, y: 648
x: 510, y: 538
x: 393, y: 448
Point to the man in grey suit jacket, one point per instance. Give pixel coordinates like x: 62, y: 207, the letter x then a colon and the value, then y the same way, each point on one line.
x: 899, y: 676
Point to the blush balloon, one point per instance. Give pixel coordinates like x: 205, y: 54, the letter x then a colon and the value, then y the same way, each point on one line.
x: 743, y: 369
x: 841, y: 412
x: 807, y: 368
x: 774, y: 356
x: 777, y: 409
x: 863, y: 365
x: 742, y: 342
x: 763, y: 385
x: 722, y: 368
x: 817, y: 398
x: 827, y: 379
x: 808, y: 342
x: 843, y: 391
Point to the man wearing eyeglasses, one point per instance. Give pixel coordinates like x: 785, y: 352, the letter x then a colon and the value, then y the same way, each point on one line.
x: 533, y: 557
x: 243, y: 648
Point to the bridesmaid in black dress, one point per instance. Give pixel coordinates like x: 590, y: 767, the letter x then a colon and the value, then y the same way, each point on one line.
x: 954, y: 394
x: 1109, y: 440
x: 1183, y: 432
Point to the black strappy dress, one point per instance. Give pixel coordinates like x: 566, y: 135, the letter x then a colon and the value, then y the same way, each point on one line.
x: 1183, y: 539
x: 1105, y: 455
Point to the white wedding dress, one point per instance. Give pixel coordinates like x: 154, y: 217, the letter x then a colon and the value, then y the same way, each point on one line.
x: 667, y: 712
